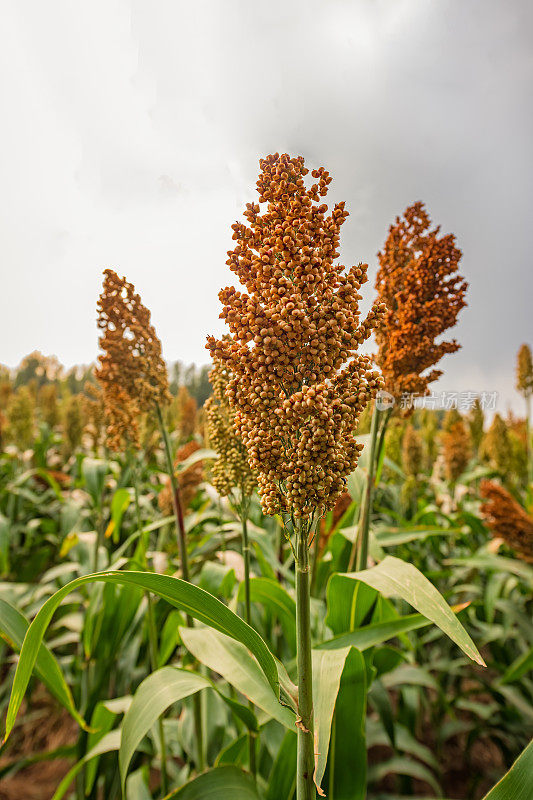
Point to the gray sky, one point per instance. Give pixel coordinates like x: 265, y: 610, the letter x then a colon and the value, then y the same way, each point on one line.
x: 131, y: 135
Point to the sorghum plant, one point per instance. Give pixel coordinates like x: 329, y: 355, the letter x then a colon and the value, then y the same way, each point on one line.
x: 134, y: 379
x: 506, y: 519
x: 497, y: 447
x: 412, y: 463
x: 298, y: 384
x: 524, y: 384
x: 457, y: 451
x: 419, y: 284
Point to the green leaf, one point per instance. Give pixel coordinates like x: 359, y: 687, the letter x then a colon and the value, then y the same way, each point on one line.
x: 154, y: 695
x: 199, y: 455
x: 391, y: 537
x: 13, y: 628
x: 94, y: 471
x: 119, y: 504
x: 328, y: 666
x: 489, y: 562
x: 394, y: 577
x: 282, y: 782
x: 231, y: 659
x: 516, y: 784
x: 102, y: 720
x: 519, y: 667
x: 4, y: 545
x: 271, y: 595
x: 349, y: 603
x: 185, y: 596
x: 346, y: 773
x: 108, y: 743
x: 399, y: 765
x: 218, y: 784
x: 410, y: 674
x: 376, y: 633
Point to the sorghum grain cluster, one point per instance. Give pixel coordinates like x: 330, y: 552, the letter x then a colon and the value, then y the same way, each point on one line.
x: 297, y: 383
x: 507, y: 519
x: 419, y: 284
x: 131, y: 372
x: 231, y: 469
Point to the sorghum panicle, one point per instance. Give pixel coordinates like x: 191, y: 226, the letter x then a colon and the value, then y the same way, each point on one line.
x: 507, y: 519
x: 412, y: 451
x: 423, y: 292
x: 457, y: 450
x: 231, y: 469
x: 132, y: 373
x: 496, y: 445
x: 298, y: 385
x: 524, y: 371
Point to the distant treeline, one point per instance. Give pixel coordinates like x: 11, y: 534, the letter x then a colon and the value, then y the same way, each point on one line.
x: 36, y: 370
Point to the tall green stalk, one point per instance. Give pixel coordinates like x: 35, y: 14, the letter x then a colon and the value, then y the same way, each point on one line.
x: 152, y: 631
x: 182, y: 544
x: 305, y: 787
x: 252, y: 737
x: 359, y: 552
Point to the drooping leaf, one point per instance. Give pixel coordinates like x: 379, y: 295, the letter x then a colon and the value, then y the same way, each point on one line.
x: 391, y: 537
x: 108, y: 743
x: 231, y: 659
x: 376, y: 633
x: 516, y: 784
x: 394, y: 577
x: 13, y: 628
x: 185, y: 596
x: 400, y: 765
x: 154, y: 695
x: 221, y: 782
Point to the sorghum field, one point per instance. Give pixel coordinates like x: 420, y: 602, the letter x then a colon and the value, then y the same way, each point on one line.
x: 289, y: 574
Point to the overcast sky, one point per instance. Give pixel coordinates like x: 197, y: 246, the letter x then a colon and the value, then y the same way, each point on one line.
x: 131, y: 133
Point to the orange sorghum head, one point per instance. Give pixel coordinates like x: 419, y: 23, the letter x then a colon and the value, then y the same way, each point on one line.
x: 231, y: 469
x: 507, y: 519
x: 131, y: 372
x: 419, y: 283
x: 298, y: 385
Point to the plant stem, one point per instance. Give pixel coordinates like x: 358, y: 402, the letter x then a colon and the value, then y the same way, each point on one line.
x: 152, y: 629
x: 252, y: 737
x: 152, y: 637
x: 176, y: 499
x: 305, y: 788
x: 182, y: 544
x: 359, y: 552
x: 314, y: 567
